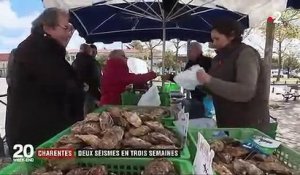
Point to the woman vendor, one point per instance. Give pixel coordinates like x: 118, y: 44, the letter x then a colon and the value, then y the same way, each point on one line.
x: 237, y: 80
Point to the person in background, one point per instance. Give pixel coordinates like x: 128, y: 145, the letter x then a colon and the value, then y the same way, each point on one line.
x: 45, y: 96
x: 87, y: 71
x: 195, y: 106
x: 99, y: 69
x: 116, y: 77
x: 9, y: 67
x: 237, y: 80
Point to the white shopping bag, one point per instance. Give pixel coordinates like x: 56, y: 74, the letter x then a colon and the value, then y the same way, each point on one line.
x: 188, y: 78
x: 150, y: 98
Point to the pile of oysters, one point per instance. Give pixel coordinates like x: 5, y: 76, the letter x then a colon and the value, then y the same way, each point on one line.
x: 231, y: 158
x: 119, y: 128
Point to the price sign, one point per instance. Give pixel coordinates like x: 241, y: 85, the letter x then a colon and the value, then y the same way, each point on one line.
x: 204, y: 157
x: 182, y: 124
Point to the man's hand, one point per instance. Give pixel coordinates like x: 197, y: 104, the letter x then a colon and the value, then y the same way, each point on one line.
x: 203, y: 77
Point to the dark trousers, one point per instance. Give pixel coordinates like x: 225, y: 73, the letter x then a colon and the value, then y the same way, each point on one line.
x: 194, y: 107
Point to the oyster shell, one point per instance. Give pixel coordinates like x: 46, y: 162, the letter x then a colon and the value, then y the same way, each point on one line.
x: 171, y: 135
x: 133, y: 118
x: 221, y: 169
x: 274, y: 167
x: 92, y: 117
x: 243, y: 167
x: 57, y: 172
x: 150, y: 139
x: 91, y: 128
x: 159, y: 167
x: 68, y: 139
x: 115, y: 112
x: 217, y: 145
x: 161, y: 138
x: 77, y: 127
x: 143, y: 130
x: 78, y: 171
x: 135, y: 142
x: 111, y: 138
x: 106, y: 121
x: 236, y: 151
x: 62, y: 164
x: 91, y: 140
x: 99, y: 170
x: 154, y: 125
x: 164, y: 147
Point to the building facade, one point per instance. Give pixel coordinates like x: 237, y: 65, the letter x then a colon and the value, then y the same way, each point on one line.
x: 3, y: 64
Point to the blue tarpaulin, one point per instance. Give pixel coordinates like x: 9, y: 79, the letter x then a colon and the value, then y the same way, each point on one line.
x: 144, y: 21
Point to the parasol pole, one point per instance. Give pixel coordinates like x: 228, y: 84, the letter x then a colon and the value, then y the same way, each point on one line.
x: 164, y: 45
x: 270, y: 29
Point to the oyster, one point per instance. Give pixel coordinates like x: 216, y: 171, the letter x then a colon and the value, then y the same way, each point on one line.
x: 91, y: 140
x: 99, y: 170
x: 160, y: 112
x: 274, y: 167
x: 71, y: 146
x: 164, y: 147
x: 245, y: 168
x: 91, y: 128
x: 225, y: 157
x: 111, y: 138
x: 265, y: 158
x: 161, y: 138
x: 135, y: 142
x: 58, y: 172
x: 78, y: 171
x: 171, y: 135
x: 236, y: 151
x: 115, y: 112
x: 106, y: 121
x: 150, y: 139
x: 221, y: 169
x: 77, y: 127
x: 92, y: 117
x: 133, y: 118
x: 143, y: 130
x: 62, y: 164
x: 68, y: 139
x: 127, y: 135
x: 217, y: 145
x: 154, y: 125
x: 160, y: 166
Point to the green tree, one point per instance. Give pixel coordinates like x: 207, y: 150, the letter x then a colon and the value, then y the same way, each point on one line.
x: 170, y: 61
x: 284, y: 32
x: 291, y: 63
x: 102, y: 60
x: 137, y: 45
x: 151, y: 45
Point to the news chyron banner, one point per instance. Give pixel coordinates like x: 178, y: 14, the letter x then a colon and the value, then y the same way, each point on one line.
x: 27, y: 153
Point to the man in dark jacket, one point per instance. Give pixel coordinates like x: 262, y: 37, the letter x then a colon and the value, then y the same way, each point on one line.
x: 88, y: 73
x: 195, y: 106
x: 45, y: 95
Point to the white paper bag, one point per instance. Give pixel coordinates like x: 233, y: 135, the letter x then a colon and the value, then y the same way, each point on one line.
x: 204, y: 157
x: 150, y: 98
x: 188, y: 78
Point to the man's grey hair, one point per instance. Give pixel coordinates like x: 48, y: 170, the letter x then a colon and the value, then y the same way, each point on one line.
x: 196, y: 45
x: 116, y: 53
x: 49, y: 17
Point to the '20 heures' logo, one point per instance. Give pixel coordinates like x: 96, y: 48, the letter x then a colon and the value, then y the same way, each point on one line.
x: 23, y: 153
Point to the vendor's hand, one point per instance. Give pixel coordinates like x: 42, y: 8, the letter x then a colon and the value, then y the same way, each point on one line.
x: 203, y: 77
x: 166, y: 77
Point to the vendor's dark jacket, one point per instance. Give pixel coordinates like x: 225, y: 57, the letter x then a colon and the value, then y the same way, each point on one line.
x: 88, y: 71
x: 239, y: 87
x: 45, y: 96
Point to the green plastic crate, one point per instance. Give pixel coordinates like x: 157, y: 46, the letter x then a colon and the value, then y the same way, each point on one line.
x: 132, y: 98
x: 169, y: 87
x: 286, y: 155
x: 119, y: 166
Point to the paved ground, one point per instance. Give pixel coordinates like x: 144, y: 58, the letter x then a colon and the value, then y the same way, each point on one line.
x: 288, y: 116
